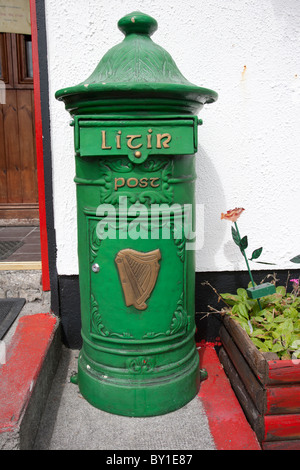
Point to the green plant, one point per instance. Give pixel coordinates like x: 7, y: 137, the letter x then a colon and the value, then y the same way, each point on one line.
x: 271, y: 321
x: 242, y: 243
x: 273, y: 328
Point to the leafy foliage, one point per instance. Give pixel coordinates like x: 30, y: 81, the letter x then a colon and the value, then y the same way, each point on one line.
x: 235, y: 236
x: 256, y: 254
x: 296, y: 259
x: 275, y: 328
x: 242, y: 243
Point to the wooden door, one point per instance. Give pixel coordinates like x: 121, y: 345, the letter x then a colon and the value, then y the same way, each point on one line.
x: 18, y: 171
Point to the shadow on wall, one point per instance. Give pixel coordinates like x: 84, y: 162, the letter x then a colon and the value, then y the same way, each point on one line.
x: 210, y: 193
x: 282, y: 10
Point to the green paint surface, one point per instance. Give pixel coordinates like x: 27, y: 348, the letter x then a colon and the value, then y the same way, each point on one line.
x: 136, y: 362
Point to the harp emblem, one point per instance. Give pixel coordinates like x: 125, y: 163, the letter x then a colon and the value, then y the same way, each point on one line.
x: 138, y: 274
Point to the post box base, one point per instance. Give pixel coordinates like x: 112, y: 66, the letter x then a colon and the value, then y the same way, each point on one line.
x: 140, y: 398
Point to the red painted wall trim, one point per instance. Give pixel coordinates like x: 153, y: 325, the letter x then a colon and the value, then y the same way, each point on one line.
x: 39, y: 149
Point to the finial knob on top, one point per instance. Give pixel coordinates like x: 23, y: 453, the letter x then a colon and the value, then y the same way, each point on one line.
x: 137, y: 23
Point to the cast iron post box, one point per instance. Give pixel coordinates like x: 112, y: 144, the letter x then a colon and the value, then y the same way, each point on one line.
x: 135, y: 126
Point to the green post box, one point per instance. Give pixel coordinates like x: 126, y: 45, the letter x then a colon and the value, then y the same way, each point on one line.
x: 135, y: 127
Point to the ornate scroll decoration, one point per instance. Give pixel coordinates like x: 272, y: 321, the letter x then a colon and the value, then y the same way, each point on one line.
x: 95, y: 243
x: 141, y: 365
x: 138, y: 274
x: 98, y: 324
x: 179, y: 240
x: 180, y: 243
x: 110, y: 169
x: 180, y: 322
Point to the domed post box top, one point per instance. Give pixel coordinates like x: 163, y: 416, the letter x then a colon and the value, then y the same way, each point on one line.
x: 138, y: 76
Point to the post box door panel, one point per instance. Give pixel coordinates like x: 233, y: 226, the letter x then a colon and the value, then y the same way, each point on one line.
x: 137, y: 286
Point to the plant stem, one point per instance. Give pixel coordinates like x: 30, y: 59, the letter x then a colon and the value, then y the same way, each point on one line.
x: 246, y: 259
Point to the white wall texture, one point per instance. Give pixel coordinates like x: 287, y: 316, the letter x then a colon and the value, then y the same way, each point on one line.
x: 249, y: 153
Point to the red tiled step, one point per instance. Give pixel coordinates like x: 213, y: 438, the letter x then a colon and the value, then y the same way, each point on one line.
x: 25, y: 356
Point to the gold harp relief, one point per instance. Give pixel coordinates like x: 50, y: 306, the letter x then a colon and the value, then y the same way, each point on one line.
x: 138, y: 273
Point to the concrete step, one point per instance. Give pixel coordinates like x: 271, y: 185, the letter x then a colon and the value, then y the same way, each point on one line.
x: 26, y: 283
x: 41, y: 409
x: 213, y: 420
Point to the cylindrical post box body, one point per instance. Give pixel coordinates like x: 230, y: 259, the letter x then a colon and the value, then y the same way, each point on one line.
x: 135, y: 148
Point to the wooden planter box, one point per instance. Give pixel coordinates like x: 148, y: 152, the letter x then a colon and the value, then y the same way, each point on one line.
x: 267, y: 388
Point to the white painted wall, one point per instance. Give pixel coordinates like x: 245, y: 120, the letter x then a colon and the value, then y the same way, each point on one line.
x: 249, y: 154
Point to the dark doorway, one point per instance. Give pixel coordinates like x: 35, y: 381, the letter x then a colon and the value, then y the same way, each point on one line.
x: 18, y: 168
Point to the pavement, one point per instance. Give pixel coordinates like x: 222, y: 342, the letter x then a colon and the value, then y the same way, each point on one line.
x: 70, y: 422
x: 40, y: 409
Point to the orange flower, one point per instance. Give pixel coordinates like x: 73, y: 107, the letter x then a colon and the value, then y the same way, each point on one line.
x: 233, y: 214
